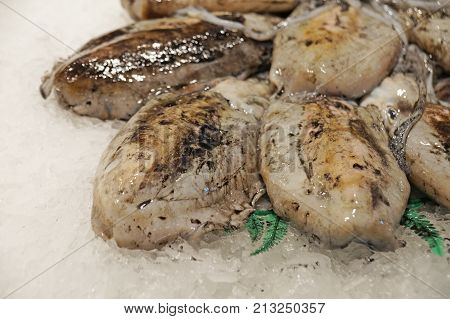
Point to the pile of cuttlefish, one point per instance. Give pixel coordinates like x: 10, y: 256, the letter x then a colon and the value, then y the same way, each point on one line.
x: 325, y: 111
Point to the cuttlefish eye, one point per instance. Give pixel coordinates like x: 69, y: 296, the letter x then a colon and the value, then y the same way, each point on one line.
x: 392, y: 113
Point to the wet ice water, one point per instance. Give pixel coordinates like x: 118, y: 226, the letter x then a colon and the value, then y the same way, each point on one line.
x: 47, y: 164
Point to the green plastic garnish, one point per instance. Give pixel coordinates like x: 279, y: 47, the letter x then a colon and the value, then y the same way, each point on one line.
x: 274, y: 226
x: 228, y: 231
x: 265, y: 225
x: 422, y: 226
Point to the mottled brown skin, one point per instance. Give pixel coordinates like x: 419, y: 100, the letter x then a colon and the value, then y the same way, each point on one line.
x: 431, y: 32
x: 147, y: 9
x: 428, y: 153
x: 182, y: 166
x: 327, y: 167
x: 114, y: 75
x: 438, y: 117
x: 340, y: 51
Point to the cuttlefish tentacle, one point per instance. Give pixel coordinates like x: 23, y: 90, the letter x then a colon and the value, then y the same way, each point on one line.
x: 398, y: 141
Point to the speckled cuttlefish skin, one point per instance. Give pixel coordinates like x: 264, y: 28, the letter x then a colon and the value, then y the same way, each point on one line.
x: 340, y: 51
x: 182, y: 166
x: 328, y: 169
x: 112, y: 76
x: 145, y: 9
x: 430, y: 30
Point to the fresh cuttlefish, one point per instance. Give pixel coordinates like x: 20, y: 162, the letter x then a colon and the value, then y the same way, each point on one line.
x: 430, y: 31
x: 338, y: 50
x: 182, y: 166
x: 428, y: 143
x: 328, y: 168
x: 112, y: 76
x: 146, y: 9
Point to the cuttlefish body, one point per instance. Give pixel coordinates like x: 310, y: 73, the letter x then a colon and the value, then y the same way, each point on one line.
x: 430, y: 31
x: 341, y: 50
x: 113, y: 76
x: 328, y: 168
x: 182, y: 166
x: 428, y: 143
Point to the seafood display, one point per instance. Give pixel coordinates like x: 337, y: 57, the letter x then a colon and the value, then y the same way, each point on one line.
x: 326, y: 113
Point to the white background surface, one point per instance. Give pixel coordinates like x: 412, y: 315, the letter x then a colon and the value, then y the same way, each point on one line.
x: 48, y: 157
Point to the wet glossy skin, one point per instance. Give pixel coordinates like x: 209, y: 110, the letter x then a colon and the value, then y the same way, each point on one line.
x: 145, y: 9
x: 114, y: 75
x: 341, y: 51
x: 181, y: 167
x: 428, y: 152
x: 431, y: 32
x: 427, y: 147
x: 328, y: 168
